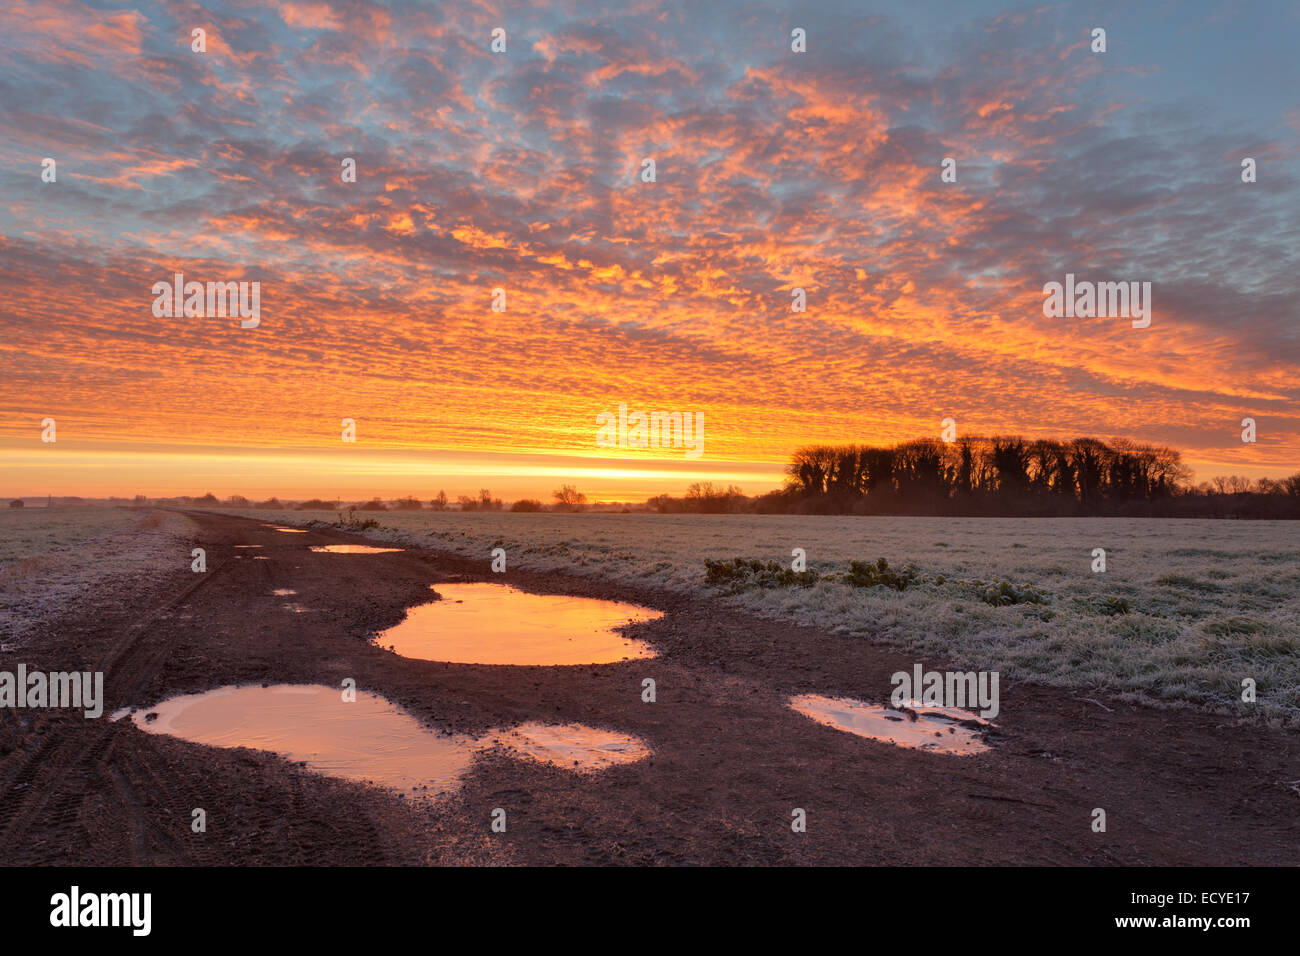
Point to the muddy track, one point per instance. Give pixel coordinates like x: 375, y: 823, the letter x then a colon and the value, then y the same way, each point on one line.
x: 51, y: 784
x: 730, y: 759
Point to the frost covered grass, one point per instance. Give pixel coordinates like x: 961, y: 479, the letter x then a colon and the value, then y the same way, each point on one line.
x: 27, y: 533
x: 50, y: 557
x: 1186, y: 610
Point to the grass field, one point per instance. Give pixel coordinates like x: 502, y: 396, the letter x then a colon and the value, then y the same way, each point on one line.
x: 1184, y: 611
x: 49, y: 556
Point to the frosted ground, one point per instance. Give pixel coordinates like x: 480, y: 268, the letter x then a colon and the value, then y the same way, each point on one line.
x: 1209, y: 603
x: 53, y: 557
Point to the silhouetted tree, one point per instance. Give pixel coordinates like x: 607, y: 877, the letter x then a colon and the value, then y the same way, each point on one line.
x: 569, y: 498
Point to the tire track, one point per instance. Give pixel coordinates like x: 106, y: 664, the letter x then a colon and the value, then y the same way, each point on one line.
x: 51, y: 783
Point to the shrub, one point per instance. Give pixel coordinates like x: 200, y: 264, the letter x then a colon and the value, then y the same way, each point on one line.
x: 1111, y: 606
x: 863, y: 574
x: 353, y: 523
x: 739, y: 574
x: 1003, y: 593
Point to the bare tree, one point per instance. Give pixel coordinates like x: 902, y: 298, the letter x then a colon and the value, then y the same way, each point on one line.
x: 569, y: 498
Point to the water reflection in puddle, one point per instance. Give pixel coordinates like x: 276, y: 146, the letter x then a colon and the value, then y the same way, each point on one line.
x: 284, y: 592
x: 248, y: 546
x: 289, y: 530
x: 575, y: 746
x: 483, y: 623
x: 934, y: 729
x: 351, y: 549
x: 370, y: 740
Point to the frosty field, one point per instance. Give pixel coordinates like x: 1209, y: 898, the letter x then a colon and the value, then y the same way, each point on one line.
x: 768, y: 690
x: 1209, y: 603
x: 52, y: 556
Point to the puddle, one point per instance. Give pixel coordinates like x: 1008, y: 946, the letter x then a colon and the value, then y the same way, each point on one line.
x: 481, y: 623
x: 947, y: 713
x: 369, y: 740
x: 248, y: 546
x: 351, y: 549
x: 295, y: 608
x: 289, y: 530
x: 935, y: 729
x: 284, y: 592
x: 576, y: 746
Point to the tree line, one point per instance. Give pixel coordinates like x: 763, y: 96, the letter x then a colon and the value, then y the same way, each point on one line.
x: 1010, y: 475
x: 567, y: 498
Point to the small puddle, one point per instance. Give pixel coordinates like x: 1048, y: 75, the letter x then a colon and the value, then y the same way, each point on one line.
x: 248, y: 546
x: 284, y: 592
x: 370, y: 740
x: 289, y: 530
x: 933, y: 729
x: 576, y: 746
x: 350, y: 549
x: 482, y: 623
x: 947, y: 713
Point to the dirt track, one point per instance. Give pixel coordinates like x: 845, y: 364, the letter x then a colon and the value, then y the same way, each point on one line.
x: 730, y: 761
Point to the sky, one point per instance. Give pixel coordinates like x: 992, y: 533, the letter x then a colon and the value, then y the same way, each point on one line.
x: 523, y: 171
